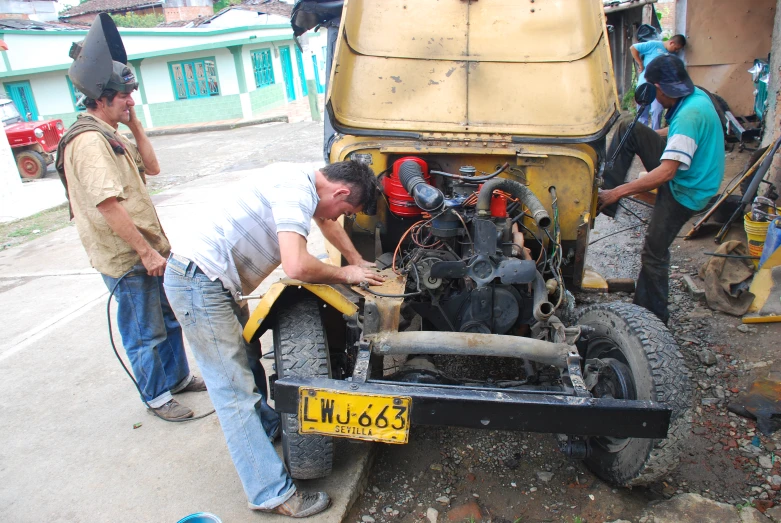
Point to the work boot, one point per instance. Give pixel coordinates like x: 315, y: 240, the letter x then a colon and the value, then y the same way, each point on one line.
x: 196, y: 385
x: 302, y: 505
x: 172, y: 410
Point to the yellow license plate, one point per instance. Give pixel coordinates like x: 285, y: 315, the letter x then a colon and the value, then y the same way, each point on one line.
x: 369, y: 417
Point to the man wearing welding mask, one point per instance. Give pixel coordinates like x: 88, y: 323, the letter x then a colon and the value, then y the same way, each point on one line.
x: 104, y: 176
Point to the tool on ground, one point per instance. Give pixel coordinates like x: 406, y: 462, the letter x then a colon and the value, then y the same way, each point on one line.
x: 116, y: 353
x: 752, y: 189
x: 763, y: 209
x: 761, y: 403
x: 696, y: 227
x: 738, y: 256
x: 645, y: 94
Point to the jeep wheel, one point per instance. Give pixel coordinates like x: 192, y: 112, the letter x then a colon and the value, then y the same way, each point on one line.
x: 302, y: 350
x: 643, y: 363
x: 31, y: 165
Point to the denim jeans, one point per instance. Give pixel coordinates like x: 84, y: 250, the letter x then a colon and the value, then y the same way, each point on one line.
x: 666, y: 220
x: 151, y: 335
x: 655, y: 110
x: 212, y: 323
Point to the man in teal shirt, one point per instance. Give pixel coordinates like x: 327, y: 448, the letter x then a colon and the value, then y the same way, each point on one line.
x: 643, y: 54
x: 685, y: 162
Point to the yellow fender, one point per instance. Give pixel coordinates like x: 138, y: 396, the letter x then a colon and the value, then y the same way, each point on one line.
x: 328, y: 294
x: 766, y: 287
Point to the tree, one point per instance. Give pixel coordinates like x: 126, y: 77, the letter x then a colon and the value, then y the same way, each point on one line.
x: 132, y: 19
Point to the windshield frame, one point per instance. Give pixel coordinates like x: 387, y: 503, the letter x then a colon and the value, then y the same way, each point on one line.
x: 9, y: 114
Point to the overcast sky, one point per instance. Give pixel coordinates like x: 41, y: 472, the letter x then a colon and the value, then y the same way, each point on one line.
x: 63, y: 4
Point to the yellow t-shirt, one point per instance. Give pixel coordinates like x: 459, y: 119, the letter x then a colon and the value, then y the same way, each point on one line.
x: 95, y: 173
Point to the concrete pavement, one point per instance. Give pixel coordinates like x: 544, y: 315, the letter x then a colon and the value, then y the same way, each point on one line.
x: 68, y: 450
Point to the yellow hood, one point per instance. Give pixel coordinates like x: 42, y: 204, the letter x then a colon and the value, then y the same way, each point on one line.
x: 515, y: 67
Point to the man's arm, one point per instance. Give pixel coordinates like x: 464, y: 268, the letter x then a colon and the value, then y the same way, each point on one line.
x: 300, y: 265
x: 151, y: 165
x: 337, y: 236
x: 638, y: 58
x: 664, y: 173
x: 663, y: 132
x: 120, y: 222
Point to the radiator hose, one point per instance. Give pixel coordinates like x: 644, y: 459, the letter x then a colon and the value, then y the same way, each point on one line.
x: 543, y: 309
x: 520, y: 191
x: 426, y: 196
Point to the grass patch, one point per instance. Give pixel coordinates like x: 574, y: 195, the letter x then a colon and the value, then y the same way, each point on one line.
x: 20, y: 231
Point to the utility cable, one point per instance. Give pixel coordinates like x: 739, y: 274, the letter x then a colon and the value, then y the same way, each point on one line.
x: 132, y: 378
x: 617, y: 232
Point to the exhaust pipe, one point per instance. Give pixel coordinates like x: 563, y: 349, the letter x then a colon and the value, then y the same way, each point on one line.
x: 471, y: 344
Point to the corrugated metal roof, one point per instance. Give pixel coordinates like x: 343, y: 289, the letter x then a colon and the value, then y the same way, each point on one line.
x: 108, y: 6
x: 611, y: 6
x: 23, y: 24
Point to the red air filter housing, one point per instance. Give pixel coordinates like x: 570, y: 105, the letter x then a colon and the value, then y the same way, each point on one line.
x: 399, y: 200
x: 498, y: 206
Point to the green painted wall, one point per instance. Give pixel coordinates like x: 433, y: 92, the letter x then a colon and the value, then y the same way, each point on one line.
x: 69, y: 118
x: 196, y: 110
x: 265, y: 98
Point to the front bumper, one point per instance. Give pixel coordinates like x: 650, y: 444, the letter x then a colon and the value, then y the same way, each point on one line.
x: 527, y: 411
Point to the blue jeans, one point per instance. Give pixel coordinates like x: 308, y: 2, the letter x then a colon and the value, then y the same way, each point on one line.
x: 212, y: 323
x: 667, y: 219
x: 151, y: 336
x: 656, y: 110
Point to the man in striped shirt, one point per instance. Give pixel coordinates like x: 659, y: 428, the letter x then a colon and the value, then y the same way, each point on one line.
x: 266, y: 224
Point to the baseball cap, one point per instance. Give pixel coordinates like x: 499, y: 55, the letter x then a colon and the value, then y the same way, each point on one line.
x: 670, y: 73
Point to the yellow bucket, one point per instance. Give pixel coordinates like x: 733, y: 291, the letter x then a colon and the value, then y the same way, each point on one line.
x: 756, y: 233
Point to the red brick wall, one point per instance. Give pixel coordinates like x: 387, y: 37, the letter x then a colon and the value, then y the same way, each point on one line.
x: 187, y: 13
x: 89, y: 17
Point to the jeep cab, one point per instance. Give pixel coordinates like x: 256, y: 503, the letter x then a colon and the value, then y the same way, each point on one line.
x: 33, y: 143
x: 485, y: 124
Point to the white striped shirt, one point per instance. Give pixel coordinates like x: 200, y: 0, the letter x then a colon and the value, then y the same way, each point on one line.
x: 239, y: 243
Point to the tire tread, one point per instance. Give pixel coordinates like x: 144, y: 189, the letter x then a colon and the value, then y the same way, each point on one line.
x: 302, y: 351
x: 670, y: 381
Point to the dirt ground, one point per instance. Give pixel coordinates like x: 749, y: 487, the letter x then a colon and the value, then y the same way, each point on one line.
x: 469, y: 475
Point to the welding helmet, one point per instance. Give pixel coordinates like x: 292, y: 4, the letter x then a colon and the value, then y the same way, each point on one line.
x: 100, y: 61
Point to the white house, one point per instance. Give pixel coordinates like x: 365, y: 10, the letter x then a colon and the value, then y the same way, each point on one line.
x: 186, y: 75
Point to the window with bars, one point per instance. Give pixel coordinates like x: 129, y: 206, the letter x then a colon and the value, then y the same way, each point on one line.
x: 194, y: 78
x: 263, y: 67
x: 75, y: 95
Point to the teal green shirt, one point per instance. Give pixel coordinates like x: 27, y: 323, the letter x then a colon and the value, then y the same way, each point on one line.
x: 648, y: 51
x: 696, y: 140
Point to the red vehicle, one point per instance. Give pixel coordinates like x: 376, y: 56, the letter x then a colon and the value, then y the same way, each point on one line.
x: 34, y: 143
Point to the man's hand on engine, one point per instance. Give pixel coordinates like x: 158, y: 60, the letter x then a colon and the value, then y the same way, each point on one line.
x: 607, y: 197
x: 355, y: 275
x: 360, y: 262
x: 519, y: 248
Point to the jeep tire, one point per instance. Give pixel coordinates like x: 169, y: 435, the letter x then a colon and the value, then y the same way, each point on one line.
x: 301, y: 349
x: 634, y: 339
x: 31, y: 164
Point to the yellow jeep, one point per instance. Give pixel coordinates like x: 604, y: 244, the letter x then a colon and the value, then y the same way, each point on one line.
x: 485, y: 122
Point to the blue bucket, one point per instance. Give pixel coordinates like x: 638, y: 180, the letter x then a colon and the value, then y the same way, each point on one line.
x: 772, y: 241
x: 200, y: 517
